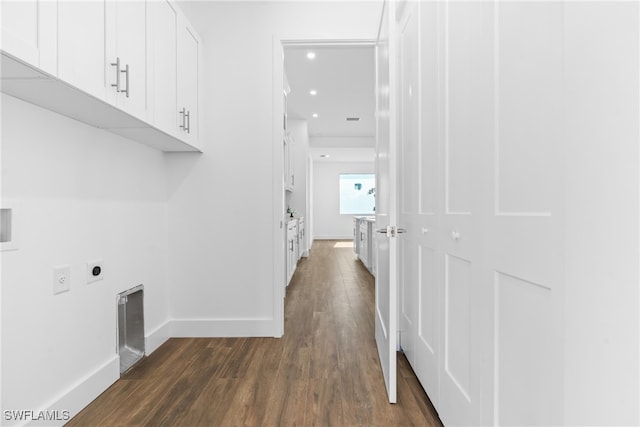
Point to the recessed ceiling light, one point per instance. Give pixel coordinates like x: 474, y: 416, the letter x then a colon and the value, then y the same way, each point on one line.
x: 311, y: 55
x: 313, y: 92
x: 324, y: 155
x: 315, y: 115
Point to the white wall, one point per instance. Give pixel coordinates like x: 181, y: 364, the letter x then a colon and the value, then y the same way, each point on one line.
x: 328, y: 223
x: 601, y: 233
x: 79, y: 194
x: 221, y: 205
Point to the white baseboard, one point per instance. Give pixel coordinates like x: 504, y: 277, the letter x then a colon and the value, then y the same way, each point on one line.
x: 217, y: 328
x: 157, y: 337
x: 80, y: 394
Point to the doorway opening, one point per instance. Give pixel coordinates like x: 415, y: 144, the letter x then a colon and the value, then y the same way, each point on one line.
x: 324, y: 125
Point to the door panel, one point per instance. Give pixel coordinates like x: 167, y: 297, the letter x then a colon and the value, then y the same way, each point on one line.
x: 428, y: 307
x: 522, y: 342
x: 429, y: 109
x: 457, y: 323
x: 81, y: 45
x: 408, y: 147
x: 529, y: 92
x: 20, y: 29
x: 425, y: 221
x: 408, y: 287
x: 467, y: 98
x: 188, y: 79
x: 386, y: 277
x: 526, y: 224
x: 162, y: 94
x: 131, y: 48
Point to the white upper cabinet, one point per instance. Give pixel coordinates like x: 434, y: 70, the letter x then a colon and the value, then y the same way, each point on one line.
x: 20, y: 30
x: 81, y: 45
x: 162, y: 29
x: 132, y: 67
x: 101, y: 50
x: 29, y: 32
x: 125, y: 66
x: 188, y: 82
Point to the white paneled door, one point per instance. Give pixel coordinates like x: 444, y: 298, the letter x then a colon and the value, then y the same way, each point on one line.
x: 526, y: 254
x: 465, y: 203
x: 478, y: 128
x: 386, y: 277
x: 418, y: 157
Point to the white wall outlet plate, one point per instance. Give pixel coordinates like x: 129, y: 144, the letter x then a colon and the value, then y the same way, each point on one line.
x: 95, y: 271
x: 61, y: 279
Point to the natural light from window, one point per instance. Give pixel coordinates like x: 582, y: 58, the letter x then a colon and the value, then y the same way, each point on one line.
x: 357, y: 194
x: 348, y: 244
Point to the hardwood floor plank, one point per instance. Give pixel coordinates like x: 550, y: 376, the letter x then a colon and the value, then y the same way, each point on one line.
x: 255, y: 392
x: 324, y: 371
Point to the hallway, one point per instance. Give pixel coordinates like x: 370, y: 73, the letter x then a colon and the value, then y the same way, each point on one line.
x: 323, y: 372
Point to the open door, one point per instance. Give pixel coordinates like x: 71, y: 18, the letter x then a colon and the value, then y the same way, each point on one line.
x: 386, y: 215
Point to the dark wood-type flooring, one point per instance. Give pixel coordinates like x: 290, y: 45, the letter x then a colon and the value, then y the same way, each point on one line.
x: 323, y: 372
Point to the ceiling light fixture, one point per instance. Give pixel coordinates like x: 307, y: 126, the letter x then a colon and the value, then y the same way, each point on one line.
x: 315, y: 115
x: 313, y: 92
x: 311, y: 55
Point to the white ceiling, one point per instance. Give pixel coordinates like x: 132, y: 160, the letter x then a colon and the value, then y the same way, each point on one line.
x: 343, y: 77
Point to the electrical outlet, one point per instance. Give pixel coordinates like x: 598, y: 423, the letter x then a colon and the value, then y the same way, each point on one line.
x: 95, y: 271
x: 61, y: 279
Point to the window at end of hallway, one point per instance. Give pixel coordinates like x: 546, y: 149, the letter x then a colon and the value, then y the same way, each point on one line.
x: 357, y: 194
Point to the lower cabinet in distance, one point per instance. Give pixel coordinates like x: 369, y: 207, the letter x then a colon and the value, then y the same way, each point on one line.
x: 292, y: 257
x: 364, y: 241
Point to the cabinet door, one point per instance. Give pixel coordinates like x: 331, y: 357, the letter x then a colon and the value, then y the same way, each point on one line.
x: 126, y: 56
x: 29, y: 32
x: 364, y: 244
x: 162, y: 89
x: 20, y: 30
x: 188, y: 81
x: 81, y: 45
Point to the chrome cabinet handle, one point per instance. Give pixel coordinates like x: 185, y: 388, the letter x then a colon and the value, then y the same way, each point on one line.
x: 188, y: 119
x: 126, y: 81
x: 117, y: 83
x: 183, y: 113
